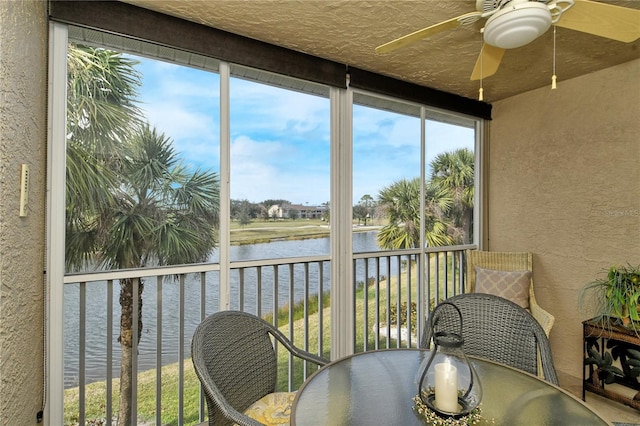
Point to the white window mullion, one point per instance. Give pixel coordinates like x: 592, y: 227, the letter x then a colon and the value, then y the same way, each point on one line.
x: 422, y: 276
x: 55, y: 223
x: 342, y: 297
x: 225, y: 186
x: 479, y: 201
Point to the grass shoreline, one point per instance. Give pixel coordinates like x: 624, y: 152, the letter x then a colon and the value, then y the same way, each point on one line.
x: 258, y: 232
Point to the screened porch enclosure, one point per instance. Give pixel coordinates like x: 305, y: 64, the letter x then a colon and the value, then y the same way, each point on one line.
x: 253, y: 139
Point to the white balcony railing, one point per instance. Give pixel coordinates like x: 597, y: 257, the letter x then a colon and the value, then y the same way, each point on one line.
x: 176, y: 299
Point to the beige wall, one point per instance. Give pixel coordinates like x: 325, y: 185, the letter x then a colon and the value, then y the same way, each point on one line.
x: 564, y: 183
x: 23, y: 65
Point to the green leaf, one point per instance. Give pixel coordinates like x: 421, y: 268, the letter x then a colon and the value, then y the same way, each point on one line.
x: 594, y: 354
x: 613, y: 370
x: 633, y: 362
x: 590, y: 360
x: 634, y: 353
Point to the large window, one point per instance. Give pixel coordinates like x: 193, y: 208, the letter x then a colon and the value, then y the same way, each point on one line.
x: 142, y: 191
x: 142, y: 154
x: 450, y: 174
x: 388, y: 185
x: 280, y: 170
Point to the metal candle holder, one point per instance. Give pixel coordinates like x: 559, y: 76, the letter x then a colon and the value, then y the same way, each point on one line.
x: 448, y: 384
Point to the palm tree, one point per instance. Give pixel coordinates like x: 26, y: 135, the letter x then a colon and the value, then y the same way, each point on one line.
x: 401, y: 203
x: 101, y: 111
x: 152, y: 209
x: 437, y: 223
x: 166, y: 215
x: 453, y: 174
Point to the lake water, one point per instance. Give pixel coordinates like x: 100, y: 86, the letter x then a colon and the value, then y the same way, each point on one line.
x: 96, y: 314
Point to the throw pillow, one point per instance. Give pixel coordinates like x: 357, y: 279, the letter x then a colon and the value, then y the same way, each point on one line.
x: 513, y: 286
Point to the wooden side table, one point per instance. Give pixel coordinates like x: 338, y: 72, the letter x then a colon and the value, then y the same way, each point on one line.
x: 611, y: 355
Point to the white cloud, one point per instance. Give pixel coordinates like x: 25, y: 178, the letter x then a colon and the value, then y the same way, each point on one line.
x: 183, y: 103
x: 261, y: 107
x: 263, y: 170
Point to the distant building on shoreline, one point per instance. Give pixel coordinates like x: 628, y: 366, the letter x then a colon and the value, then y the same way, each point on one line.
x: 297, y: 211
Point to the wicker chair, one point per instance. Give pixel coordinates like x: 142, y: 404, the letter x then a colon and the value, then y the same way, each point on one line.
x: 508, y: 261
x: 497, y: 329
x: 236, y: 362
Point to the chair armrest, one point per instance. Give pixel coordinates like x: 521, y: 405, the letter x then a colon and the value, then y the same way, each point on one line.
x: 543, y: 317
x: 307, y: 356
x: 214, y: 396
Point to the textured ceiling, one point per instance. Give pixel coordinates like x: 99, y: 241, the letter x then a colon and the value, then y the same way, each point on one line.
x: 348, y: 31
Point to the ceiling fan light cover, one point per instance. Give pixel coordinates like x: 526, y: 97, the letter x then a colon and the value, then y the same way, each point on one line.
x: 517, y: 25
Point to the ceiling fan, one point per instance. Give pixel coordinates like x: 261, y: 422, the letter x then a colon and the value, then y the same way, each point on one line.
x: 515, y: 23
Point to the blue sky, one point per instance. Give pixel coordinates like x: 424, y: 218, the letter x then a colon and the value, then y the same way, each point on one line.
x: 280, y: 138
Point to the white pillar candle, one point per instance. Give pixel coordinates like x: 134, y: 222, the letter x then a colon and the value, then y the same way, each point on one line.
x: 446, y: 387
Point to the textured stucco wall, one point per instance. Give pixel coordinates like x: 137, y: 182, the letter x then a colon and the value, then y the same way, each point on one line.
x: 564, y: 183
x: 23, y: 65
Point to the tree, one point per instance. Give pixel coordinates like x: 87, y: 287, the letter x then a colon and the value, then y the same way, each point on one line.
x: 360, y: 213
x: 368, y: 202
x: 448, y: 211
x: 101, y: 110
x: 293, y: 214
x: 452, y: 173
x: 244, y: 213
x: 167, y: 215
x: 152, y: 209
x: 326, y: 214
x: 401, y: 205
x: 364, y: 208
x: 271, y: 202
x: 235, y: 208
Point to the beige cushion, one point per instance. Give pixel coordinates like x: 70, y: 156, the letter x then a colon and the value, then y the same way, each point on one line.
x: 513, y: 286
x: 272, y: 409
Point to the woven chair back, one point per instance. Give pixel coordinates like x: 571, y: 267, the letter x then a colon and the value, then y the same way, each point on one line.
x: 497, y: 329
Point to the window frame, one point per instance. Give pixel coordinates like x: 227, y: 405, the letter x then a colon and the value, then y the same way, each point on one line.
x: 341, y: 100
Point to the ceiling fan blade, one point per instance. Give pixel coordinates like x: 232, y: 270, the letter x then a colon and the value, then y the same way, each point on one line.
x: 604, y: 20
x: 488, y: 62
x: 426, y: 32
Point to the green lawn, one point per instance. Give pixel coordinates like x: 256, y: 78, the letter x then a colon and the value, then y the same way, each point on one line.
x: 264, y: 231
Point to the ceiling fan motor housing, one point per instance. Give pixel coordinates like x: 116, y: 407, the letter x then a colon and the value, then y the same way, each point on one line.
x: 516, y: 25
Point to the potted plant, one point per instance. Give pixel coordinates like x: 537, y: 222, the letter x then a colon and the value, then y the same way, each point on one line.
x: 616, y: 297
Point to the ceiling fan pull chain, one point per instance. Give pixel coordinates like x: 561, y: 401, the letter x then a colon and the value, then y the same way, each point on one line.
x: 553, y: 77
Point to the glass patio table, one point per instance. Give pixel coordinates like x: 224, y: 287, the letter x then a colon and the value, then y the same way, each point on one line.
x: 377, y: 387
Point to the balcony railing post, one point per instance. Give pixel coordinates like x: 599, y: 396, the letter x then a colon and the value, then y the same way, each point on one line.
x: 159, y: 350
